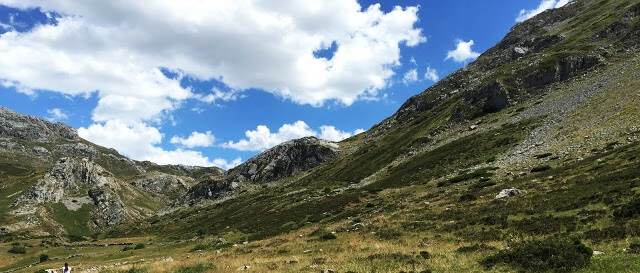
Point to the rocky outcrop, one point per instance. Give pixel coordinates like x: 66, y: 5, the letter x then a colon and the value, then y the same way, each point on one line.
x: 32, y: 128
x: 72, y: 176
x: 168, y: 186
x: 110, y: 210
x: 67, y: 176
x: 284, y: 160
x: 78, y: 149
x: 210, y: 189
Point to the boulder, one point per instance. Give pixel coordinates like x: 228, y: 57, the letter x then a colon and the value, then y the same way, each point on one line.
x: 505, y: 193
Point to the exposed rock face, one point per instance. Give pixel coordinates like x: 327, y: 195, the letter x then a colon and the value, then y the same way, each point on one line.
x: 32, y: 128
x: 78, y: 149
x: 110, y: 210
x: 284, y: 160
x: 210, y: 189
x: 166, y: 185
x: 69, y: 176
x: 66, y: 176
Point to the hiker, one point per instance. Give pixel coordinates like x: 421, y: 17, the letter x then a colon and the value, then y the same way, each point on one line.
x: 66, y: 268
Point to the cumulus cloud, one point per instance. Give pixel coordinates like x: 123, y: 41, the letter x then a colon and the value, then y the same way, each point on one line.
x: 196, y: 139
x: 463, y: 52
x: 431, y: 74
x: 117, y: 47
x: 217, y: 94
x: 410, y: 77
x: 119, y: 50
x: 138, y: 141
x: 262, y: 138
x: 56, y: 114
x: 544, y: 5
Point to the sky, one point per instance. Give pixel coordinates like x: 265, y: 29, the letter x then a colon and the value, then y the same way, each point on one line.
x: 213, y: 83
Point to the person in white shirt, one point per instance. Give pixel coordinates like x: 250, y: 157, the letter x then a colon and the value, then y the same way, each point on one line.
x: 66, y: 268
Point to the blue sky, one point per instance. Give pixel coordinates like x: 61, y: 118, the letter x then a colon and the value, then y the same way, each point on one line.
x: 216, y: 83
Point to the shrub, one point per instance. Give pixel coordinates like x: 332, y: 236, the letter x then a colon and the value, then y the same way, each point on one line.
x: 628, y: 210
x: 540, y: 168
x: 634, y: 248
x: 16, y: 249
x: 467, y: 197
x: 196, y: 268
x: 216, y: 245
x: 44, y: 258
x: 328, y: 236
x: 547, y: 255
x: 474, y: 248
x: 425, y: 255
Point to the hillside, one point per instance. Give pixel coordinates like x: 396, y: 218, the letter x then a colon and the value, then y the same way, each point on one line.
x: 534, y: 143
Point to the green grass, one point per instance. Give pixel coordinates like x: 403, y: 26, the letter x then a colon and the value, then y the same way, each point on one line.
x: 74, y: 222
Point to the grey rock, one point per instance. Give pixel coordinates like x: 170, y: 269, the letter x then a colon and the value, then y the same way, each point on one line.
x: 284, y: 160
x: 209, y: 189
x: 65, y: 177
x: 32, y: 128
x: 41, y: 151
x: 509, y: 193
x: 78, y: 149
x: 11, y: 146
x: 110, y: 210
x: 166, y: 185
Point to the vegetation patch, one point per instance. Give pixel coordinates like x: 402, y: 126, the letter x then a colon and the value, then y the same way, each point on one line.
x: 542, y: 256
x: 215, y: 245
x: 16, y: 249
x: 475, y: 248
x: 540, y: 168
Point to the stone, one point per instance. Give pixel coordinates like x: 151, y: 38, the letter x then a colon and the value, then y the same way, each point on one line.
x: 509, y: 193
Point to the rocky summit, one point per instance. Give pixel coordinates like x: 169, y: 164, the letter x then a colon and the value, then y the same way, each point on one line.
x: 284, y: 160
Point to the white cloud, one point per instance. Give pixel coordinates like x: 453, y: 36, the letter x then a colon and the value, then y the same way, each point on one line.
x: 544, y: 5
x: 262, y: 138
x: 331, y: 133
x: 196, y: 139
x: 139, y: 141
x: 56, y: 114
x: 431, y: 75
x: 116, y: 48
x: 217, y: 94
x: 463, y: 52
x: 410, y: 77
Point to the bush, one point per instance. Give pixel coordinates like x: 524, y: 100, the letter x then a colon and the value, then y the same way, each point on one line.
x: 548, y: 255
x: 540, y: 168
x: 474, y: 248
x: 44, y: 258
x: 197, y: 268
x: 628, y: 210
x: 328, y: 236
x: 16, y: 249
x: 634, y: 248
x: 216, y: 245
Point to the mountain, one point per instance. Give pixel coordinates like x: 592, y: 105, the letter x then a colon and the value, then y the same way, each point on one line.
x: 54, y: 182
x: 525, y: 160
